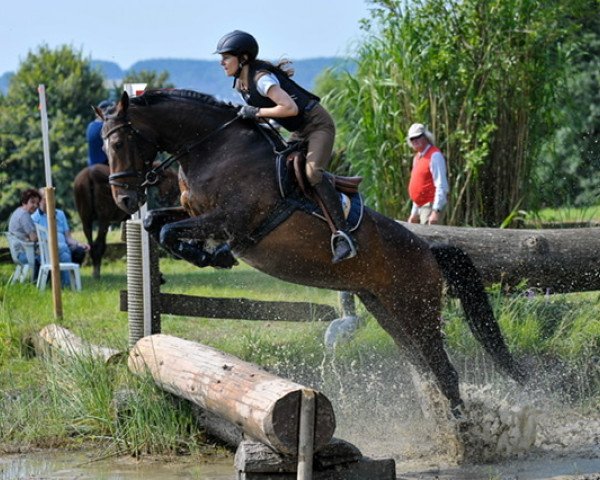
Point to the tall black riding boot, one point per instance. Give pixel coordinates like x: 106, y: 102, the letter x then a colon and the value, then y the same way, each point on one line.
x: 342, y: 244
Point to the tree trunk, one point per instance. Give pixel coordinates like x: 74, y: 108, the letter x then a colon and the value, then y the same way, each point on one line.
x: 54, y: 339
x: 264, y: 406
x: 555, y: 260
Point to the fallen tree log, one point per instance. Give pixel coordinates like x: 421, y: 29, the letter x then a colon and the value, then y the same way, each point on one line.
x: 264, y: 406
x: 555, y: 260
x: 54, y: 339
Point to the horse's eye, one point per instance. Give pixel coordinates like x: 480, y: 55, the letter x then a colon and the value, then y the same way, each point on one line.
x: 118, y: 145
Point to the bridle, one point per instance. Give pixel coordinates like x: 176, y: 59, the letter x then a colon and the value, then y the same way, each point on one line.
x: 152, y: 176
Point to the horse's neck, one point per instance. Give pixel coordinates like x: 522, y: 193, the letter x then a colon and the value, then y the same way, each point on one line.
x: 177, y: 126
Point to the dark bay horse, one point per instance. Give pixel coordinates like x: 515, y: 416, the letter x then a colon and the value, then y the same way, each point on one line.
x: 230, y: 197
x: 95, y: 205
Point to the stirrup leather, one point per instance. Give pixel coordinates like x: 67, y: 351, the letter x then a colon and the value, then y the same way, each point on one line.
x: 341, y: 234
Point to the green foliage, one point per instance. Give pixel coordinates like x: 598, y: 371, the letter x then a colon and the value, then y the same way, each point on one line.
x: 71, y: 87
x: 481, y: 75
x: 568, y: 170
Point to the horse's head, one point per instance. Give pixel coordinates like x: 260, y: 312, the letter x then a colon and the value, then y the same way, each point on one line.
x: 130, y: 154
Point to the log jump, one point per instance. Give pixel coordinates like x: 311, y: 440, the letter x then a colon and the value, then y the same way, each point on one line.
x: 270, y: 411
x: 559, y: 260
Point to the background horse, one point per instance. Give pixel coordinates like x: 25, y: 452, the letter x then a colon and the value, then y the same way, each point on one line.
x: 230, y: 197
x: 95, y: 204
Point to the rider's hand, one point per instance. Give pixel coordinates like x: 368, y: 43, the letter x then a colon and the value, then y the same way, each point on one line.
x: 248, y: 112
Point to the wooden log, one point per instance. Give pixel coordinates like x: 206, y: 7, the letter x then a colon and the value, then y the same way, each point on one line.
x: 238, y: 308
x: 558, y: 260
x: 264, y: 406
x: 340, y: 460
x: 53, y: 339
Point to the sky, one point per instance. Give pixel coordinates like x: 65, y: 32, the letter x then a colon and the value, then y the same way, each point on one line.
x: 127, y: 31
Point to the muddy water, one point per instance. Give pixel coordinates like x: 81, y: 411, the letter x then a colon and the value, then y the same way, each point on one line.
x: 377, y: 409
x: 80, y: 466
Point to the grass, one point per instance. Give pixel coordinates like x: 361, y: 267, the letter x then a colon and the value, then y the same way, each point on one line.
x: 66, y: 403
x: 565, y: 216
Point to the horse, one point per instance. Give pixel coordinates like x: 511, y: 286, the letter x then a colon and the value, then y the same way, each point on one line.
x: 94, y: 203
x: 230, y: 198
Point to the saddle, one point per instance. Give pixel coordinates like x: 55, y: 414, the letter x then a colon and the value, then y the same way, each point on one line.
x: 296, y: 162
x: 296, y: 192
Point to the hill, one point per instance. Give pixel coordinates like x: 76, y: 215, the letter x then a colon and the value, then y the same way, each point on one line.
x: 206, y: 75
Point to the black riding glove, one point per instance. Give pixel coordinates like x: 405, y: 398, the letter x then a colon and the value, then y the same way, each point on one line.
x: 248, y: 112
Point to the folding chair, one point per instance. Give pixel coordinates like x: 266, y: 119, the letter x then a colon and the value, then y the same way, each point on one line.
x: 22, y: 270
x: 46, y: 266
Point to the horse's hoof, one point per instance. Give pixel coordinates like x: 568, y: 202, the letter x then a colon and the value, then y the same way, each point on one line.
x: 223, y: 258
x: 457, y: 411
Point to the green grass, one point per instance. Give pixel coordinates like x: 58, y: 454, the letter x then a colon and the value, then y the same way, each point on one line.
x: 65, y: 403
x: 565, y: 215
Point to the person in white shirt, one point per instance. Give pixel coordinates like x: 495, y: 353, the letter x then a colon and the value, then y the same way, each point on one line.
x: 428, y: 186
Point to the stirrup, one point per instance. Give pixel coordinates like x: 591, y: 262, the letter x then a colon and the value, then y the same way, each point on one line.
x: 340, y: 234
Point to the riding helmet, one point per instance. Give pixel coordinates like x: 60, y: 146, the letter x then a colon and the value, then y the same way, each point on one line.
x: 238, y: 43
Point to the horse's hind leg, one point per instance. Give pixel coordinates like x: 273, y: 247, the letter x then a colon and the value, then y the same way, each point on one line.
x: 415, y: 328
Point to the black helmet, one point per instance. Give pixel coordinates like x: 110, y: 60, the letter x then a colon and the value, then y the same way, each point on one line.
x: 238, y: 43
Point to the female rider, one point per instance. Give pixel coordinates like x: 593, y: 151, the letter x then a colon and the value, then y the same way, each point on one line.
x: 269, y: 92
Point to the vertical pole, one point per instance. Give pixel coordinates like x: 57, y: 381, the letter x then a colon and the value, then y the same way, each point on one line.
x: 50, y: 206
x: 135, y: 280
x: 306, y: 435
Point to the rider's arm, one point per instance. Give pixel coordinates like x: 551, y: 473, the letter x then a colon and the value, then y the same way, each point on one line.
x: 285, y: 105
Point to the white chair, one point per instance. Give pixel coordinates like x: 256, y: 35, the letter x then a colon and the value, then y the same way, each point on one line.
x: 46, y: 266
x: 22, y: 271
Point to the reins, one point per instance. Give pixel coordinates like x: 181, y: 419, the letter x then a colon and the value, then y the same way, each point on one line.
x: 153, y: 175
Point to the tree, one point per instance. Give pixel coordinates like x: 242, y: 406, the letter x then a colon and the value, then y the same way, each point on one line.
x: 568, y: 171
x: 481, y: 75
x: 71, y: 87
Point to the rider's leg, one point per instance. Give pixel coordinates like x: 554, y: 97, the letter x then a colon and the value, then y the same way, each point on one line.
x: 342, y: 243
x: 321, y: 135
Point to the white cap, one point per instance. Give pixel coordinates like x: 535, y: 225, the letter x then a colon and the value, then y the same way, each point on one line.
x: 418, y: 129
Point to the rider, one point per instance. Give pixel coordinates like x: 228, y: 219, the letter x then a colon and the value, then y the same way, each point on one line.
x: 96, y: 154
x: 270, y: 93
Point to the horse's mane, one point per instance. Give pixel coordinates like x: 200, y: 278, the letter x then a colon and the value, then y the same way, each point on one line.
x: 153, y: 97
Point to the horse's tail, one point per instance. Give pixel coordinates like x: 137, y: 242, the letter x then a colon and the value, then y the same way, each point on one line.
x: 466, y: 282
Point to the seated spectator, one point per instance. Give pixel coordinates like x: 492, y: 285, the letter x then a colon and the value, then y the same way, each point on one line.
x: 69, y: 249
x: 21, y: 225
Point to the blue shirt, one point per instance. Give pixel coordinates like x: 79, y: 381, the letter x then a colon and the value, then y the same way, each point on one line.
x: 94, y: 140
x: 62, y: 226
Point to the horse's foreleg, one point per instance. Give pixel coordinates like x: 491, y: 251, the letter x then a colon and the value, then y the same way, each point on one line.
x: 158, y: 218
x: 187, y: 239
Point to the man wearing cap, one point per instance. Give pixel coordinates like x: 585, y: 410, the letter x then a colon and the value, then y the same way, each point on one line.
x: 428, y: 186
x: 96, y: 153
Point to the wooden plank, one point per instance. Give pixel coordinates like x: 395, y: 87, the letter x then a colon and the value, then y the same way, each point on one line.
x: 239, y: 308
x: 264, y: 406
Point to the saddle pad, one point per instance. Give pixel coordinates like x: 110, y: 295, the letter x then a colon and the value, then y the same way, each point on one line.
x: 352, y: 204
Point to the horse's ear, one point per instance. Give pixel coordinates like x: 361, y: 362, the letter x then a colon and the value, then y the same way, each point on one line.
x: 99, y: 113
x: 123, y: 104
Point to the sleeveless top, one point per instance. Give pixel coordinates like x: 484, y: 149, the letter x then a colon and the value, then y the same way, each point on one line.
x: 304, y: 99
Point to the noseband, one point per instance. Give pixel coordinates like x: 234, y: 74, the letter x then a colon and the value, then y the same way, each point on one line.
x: 152, y: 176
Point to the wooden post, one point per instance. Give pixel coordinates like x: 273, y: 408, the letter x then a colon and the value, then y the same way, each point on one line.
x: 306, y: 435
x: 50, y: 206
